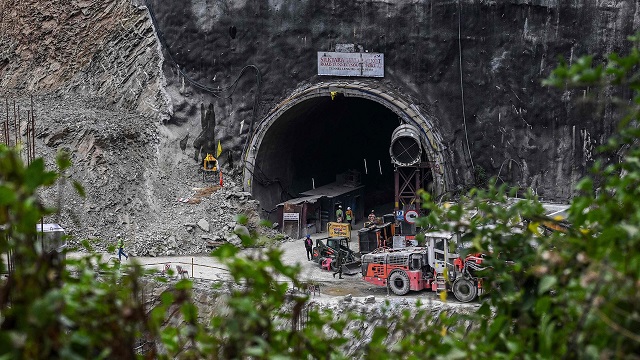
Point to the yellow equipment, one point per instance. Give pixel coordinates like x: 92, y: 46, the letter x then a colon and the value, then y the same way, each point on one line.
x: 209, y: 165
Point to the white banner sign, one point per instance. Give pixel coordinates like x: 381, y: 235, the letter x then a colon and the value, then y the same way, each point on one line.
x: 351, y: 64
x: 290, y: 216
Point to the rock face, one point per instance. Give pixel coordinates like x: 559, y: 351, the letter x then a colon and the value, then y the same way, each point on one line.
x: 124, y: 97
x: 106, y: 48
x: 475, y: 66
x: 94, y: 70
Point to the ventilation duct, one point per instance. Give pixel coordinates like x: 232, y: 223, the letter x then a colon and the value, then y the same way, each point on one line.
x: 406, y: 148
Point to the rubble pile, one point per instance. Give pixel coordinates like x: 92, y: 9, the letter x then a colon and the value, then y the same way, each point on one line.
x: 138, y: 182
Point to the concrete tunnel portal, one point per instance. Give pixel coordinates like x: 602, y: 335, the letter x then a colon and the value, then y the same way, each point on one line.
x: 329, y: 129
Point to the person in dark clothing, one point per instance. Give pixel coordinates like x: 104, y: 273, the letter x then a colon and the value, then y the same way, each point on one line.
x: 339, y: 266
x: 308, y: 244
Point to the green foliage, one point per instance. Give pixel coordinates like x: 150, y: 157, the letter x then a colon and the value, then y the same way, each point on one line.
x: 52, y: 308
x: 263, y: 318
x: 88, y: 308
x: 480, y: 176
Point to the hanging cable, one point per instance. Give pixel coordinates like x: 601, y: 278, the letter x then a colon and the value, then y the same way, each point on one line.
x: 509, y: 160
x: 464, y: 117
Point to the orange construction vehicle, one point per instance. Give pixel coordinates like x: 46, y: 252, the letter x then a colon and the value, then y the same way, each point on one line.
x: 419, y: 268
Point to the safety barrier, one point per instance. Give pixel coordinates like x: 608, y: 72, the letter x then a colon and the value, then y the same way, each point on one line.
x: 180, y: 270
x: 310, y: 288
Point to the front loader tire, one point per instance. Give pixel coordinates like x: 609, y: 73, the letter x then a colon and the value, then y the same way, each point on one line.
x: 334, y: 265
x: 399, y: 282
x: 464, y: 290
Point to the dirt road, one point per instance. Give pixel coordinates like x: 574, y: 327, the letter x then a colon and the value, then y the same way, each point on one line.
x: 207, y: 267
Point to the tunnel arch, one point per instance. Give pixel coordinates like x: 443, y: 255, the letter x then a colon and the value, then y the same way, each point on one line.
x: 271, y: 133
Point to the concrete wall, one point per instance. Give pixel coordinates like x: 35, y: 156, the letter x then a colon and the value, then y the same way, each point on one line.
x: 529, y: 135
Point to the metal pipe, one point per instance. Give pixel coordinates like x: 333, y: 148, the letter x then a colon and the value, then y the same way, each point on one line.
x: 15, y: 120
x: 28, y: 137
x: 5, y: 125
x: 28, y: 145
x: 18, y: 129
x: 33, y: 131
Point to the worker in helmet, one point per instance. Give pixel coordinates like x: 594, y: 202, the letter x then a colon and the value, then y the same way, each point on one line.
x: 120, y: 246
x: 339, y: 214
x: 372, y: 217
x: 349, y: 215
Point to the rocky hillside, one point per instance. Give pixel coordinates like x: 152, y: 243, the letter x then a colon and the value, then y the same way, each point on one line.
x: 106, y: 49
x: 94, y: 71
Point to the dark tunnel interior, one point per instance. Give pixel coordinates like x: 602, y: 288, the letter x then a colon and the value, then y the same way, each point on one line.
x: 320, y: 138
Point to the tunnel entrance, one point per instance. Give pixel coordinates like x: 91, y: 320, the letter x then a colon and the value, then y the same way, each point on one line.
x: 316, y: 135
x: 321, y: 138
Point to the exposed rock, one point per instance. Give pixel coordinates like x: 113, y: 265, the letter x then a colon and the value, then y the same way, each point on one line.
x: 241, y: 230
x: 203, y: 225
x: 171, y: 242
x: 234, y: 240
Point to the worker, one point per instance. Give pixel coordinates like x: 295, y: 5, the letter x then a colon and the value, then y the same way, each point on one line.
x: 339, y: 214
x: 308, y: 245
x: 372, y: 217
x: 349, y: 215
x: 339, y: 267
x: 121, y: 248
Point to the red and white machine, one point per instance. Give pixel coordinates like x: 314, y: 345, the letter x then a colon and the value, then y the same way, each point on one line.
x: 419, y: 268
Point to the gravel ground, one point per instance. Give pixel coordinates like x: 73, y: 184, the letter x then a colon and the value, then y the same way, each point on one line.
x: 331, y: 289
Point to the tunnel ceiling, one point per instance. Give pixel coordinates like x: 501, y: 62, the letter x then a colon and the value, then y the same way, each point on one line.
x: 319, y: 138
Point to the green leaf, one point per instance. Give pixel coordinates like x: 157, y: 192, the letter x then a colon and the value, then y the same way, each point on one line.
x: 546, y: 283
x: 63, y: 160
x: 79, y: 189
x: 586, y: 185
x: 379, y: 334
x: 543, y: 305
x: 35, y: 175
x: 225, y: 251
x: 7, y: 196
x: 484, y: 310
x: 166, y: 298
x: 496, y: 327
x: 242, y: 219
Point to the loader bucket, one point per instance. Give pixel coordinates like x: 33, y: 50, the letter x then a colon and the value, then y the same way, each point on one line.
x: 352, y: 268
